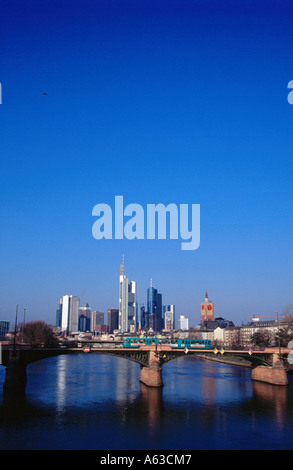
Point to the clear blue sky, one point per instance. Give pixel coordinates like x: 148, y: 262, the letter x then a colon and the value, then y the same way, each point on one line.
x: 158, y: 101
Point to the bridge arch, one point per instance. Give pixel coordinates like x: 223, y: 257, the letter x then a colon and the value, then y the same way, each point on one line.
x: 150, y: 358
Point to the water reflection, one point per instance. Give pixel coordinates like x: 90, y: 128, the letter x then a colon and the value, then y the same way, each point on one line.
x: 203, y: 381
x: 60, y: 384
x: 152, y: 401
x: 274, y: 398
x: 70, y: 400
x: 86, y: 379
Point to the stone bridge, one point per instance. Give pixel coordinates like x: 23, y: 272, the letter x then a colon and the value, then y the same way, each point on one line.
x: 269, y: 365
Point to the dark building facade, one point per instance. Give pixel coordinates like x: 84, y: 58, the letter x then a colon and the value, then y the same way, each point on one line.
x: 154, y: 309
x: 113, y: 319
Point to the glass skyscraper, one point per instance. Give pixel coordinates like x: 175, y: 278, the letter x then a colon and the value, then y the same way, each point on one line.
x: 84, y: 320
x: 154, y: 309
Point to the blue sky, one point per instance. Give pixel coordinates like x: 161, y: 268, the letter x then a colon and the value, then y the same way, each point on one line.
x: 161, y: 102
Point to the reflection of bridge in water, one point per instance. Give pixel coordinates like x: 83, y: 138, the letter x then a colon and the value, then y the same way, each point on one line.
x: 269, y: 365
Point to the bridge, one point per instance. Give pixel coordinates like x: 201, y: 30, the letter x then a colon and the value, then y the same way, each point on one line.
x: 269, y: 365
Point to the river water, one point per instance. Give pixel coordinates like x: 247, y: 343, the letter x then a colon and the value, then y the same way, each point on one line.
x: 96, y: 402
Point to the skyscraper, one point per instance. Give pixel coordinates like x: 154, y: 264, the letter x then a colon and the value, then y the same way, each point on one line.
x: 154, y: 308
x: 98, y: 321
x: 171, y: 308
x: 113, y: 315
x: 169, y: 320
x: 59, y: 312
x: 70, y: 309
x: 143, y: 318
x: 127, y: 303
x: 84, y: 320
x: 183, y: 323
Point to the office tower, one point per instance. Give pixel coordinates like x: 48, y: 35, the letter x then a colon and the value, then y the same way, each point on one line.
x: 70, y: 308
x: 206, y: 309
x: 183, y: 323
x: 154, y: 308
x: 151, y: 298
x: 143, y: 318
x: 84, y: 321
x: 168, y: 320
x: 98, y: 321
x: 171, y: 308
x: 113, y: 323
x: 59, y: 312
x: 160, y: 319
x: 127, y: 303
x: 164, y: 310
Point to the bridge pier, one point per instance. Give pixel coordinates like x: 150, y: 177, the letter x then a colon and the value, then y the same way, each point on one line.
x: 15, y: 376
x: 151, y: 375
x: 271, y: 375
x: 275, y: 375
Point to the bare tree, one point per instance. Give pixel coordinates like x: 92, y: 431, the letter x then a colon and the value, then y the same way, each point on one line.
x: 39, y: 332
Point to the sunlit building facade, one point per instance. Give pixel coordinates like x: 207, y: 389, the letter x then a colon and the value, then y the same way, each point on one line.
x: 127, y: 303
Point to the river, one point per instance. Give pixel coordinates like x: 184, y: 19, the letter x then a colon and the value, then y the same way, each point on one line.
x: 94, y: 402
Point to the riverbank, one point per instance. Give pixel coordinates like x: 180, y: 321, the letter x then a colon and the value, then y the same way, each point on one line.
x: 230, y: 361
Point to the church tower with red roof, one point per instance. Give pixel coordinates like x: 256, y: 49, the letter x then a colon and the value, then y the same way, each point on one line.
x: 206, y: 309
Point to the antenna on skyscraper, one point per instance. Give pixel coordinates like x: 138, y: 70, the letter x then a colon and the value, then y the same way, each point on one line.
x: 122, y: 266
x: 151, y: 282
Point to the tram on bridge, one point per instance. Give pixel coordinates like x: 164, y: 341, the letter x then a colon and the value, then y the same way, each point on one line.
x: 174, y: 343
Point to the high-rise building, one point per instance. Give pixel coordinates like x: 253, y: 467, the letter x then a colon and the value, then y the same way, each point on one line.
x: 143, y: 318
x: 169, y: 320
x: 164, y: 310
x: 98, y: 320
x: 206, y: 309
x: 70, y: 309
x: 151, y: 299
x: 171, y: 308
x: 127, y: 303
x: 154, y: 308
x: 84, y: 320
x: 183, y: 323
x: 59, y: 312
x: 113, y: 323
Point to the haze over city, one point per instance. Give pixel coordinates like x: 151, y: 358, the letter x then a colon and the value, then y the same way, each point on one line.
x: 158, y: 102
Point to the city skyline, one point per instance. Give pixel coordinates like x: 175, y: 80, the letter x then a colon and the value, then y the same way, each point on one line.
x: 130, y: 318
x: 143, y: 313
x: 194, y: 315
x: 161, y: 102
